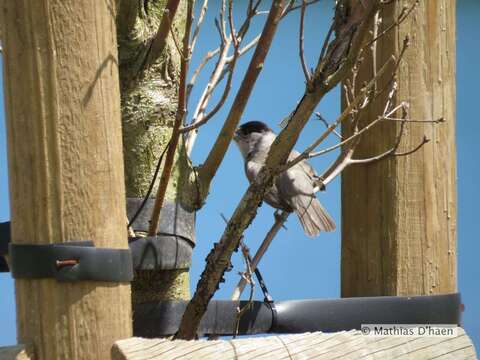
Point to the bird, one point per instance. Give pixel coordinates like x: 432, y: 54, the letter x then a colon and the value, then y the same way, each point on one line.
x: 293, y: 189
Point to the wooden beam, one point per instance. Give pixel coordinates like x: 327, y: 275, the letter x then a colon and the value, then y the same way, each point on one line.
x: 399, y: 228
x: 65, y: 166
x: 339, y: 345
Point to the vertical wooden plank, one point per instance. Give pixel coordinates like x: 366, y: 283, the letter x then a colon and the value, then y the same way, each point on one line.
x: 399, y: 216
x: 65, y: 166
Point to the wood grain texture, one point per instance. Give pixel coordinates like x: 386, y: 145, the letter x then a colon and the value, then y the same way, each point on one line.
x: 341, y: 345
x: 399, y: 223
x: 66, y: 166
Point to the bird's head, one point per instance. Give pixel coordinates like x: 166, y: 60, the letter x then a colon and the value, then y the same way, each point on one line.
x: 253, y: 136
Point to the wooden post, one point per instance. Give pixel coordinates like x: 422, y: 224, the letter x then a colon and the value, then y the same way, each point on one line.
x: 399, y: 215
x: 65, y: 166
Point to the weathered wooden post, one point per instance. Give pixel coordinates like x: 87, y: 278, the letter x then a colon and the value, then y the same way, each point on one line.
x: 399, y: 215
x: 66, y: 167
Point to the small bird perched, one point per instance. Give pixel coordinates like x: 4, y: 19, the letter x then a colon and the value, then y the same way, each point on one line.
x: 293, y: 189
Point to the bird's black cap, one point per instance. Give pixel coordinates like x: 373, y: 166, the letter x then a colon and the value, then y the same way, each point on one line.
x: 253, y: 127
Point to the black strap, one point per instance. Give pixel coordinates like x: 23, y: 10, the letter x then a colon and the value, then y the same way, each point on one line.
x: 161, y: 252
x: 71, y: 261
x: 267, y: 297
x: 4, y: 237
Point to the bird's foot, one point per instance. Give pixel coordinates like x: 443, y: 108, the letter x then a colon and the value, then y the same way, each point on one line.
x: 278, y: 217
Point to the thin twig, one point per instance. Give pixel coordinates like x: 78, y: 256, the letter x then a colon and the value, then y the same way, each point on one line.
x: 217, y: 107
x: 233, y: 34
x: 247, y: 277
x: 223, y: 30
x: 326, y: 41
x: 277, y: 225
x: 376, y: 23
x: 434, y: 121
x: 406, y: 11
x: 196, y: 32
x: 345, y: 115
x: 346, y: 155
x: 225, y: 65
x: 293, y: 8
x: 199, y: 69
x: 246, y: 48
x: 325, y: 122
x: 208, y: 91
x: 362, y: 99
x: 199, y: 117
x: 300, y: 43
x: 355, y: 135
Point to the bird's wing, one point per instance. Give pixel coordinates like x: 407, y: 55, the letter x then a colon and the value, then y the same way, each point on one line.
x: 304, y: 165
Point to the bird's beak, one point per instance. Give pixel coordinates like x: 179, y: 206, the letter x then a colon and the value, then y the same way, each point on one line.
x: 236, y: 135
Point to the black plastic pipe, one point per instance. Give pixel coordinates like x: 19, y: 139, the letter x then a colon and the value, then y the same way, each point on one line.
x: 298, y: 316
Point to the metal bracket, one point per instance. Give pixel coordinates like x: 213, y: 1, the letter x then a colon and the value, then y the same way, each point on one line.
x: 171, y: 249
x: 71, y: 261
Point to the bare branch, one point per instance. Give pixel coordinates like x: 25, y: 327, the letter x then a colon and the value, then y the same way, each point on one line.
x: 159, y: 41
x: 208, y: 91
x: 277, y: 225
x: 376, y: 23
x: 246, y: 48
x: 325, y: 122
x: 434, y: 121
x: 294, y: 7
x: 416, y: 148
x: 225, y: 65
x: 345, y: 157
x: 181, y: 109
x: 300, y: 43
x: 406, y: 11
x: 392, y: 151
x: 356, y: 134
x: 216, y: 265
x: 362, y: 97
x: 247, y: 277
x: 326, y: 42
x: 218, y: 106
x: 199, y: 117
x: 199, y: 69
x: 210, y: 55
x: 222, y: 26
x: 233, y: 33
x: 350, y: 33
x: 196, y: 32
x: 215, y: 157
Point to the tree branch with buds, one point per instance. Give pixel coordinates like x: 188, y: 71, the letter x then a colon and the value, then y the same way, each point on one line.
x: 339, y: 58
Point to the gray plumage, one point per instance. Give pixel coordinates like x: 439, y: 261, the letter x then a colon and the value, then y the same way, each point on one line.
x: 293, y: 189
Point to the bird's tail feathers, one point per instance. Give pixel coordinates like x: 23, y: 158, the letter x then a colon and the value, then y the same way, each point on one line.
x: 313, y: 217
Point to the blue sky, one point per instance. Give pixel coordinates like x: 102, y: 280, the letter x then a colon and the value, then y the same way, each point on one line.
x: 297, y: 267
